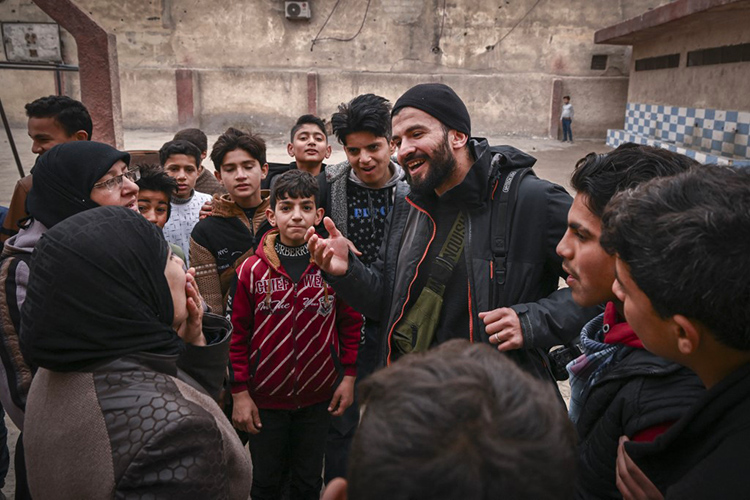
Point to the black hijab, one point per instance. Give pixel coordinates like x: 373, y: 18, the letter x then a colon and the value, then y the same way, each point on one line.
x: 97, y: 291
x: 64, y: 177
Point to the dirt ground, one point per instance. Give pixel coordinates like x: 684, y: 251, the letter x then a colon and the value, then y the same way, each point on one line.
x: 555, y: 162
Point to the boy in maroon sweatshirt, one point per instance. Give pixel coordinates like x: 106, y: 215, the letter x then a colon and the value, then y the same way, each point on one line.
x: 293, y: 349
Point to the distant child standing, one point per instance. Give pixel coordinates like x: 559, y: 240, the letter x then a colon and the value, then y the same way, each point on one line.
x: 566, y: 117
x: 181, y: 160
x: 293, y: 340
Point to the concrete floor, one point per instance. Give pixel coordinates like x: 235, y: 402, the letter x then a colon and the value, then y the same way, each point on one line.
x: 555, y: 161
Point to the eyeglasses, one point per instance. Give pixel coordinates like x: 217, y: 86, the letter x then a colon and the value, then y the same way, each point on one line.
x: 116, y: 181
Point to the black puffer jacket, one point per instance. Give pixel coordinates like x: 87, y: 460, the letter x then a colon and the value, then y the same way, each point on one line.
x: 548, y: 316
x: 137, y: 426
x: 639, y: 390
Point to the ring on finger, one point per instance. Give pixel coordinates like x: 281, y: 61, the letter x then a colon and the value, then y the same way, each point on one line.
x: 497, y: 337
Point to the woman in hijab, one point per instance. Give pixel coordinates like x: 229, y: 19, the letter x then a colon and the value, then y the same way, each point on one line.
x: 68, y: 179
x: 112, y: 319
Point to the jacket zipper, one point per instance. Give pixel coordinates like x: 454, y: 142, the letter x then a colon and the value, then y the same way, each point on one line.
x: 408, y: 290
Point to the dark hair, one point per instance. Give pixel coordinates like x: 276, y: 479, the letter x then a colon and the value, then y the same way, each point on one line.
x: 294, y: 184
x: 72, y: 115
x: 154, y: 178
x: 368, y: 113
x: 566, y: 97
x: 460, y: 421
x: 600, y: 177
x: 305, y: 119
x: 237, y: 139
x: 686, y: 240
x: 194, y: 135
x: 179, y: 148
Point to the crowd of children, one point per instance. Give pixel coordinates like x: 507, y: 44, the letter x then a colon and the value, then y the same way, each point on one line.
x: 658, y: 393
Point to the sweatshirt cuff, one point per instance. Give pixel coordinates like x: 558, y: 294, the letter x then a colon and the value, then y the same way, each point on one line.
x: 350, y: 371
x: 239, y: 387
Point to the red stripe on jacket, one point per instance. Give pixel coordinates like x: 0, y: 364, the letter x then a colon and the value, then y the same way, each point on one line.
x: 286, y: 334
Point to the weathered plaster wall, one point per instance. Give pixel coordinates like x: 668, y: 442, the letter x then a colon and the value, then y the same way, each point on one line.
x: 719, y: 86
x: 251, y: 64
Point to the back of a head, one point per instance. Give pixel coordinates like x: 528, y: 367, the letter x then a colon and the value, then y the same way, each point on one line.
x: 365, y: 113
x: 72, y: 115
x: 686, y: 240
x: 600, y: 177
x: 97, y: 290
x: 233, y: 139
x: 460, y: 421
x: 194, y: 135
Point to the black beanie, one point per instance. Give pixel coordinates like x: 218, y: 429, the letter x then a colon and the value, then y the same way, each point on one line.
x: 438, y: 100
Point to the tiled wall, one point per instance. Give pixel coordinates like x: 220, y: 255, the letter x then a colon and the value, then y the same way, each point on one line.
x: 708, y: 135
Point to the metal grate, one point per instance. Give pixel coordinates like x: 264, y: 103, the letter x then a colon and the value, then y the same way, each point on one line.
x: 599, y: 61
x: 660, y: 62
x: 719, y: 55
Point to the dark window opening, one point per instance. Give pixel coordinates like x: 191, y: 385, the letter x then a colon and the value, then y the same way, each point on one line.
x: 660, y: 62
x: 719, y: 55
x: 599, y: 61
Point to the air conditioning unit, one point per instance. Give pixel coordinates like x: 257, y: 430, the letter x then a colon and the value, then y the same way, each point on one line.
x: 297, y: 10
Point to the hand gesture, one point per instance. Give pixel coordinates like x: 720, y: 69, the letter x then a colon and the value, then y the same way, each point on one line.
x: 631, y: 481
x: 191, y: 331
x: 330, y: 254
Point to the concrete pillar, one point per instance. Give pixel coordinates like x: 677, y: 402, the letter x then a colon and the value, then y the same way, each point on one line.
x: 185, y: 100
x: 312, y: 93
x: 555, y: 108
x: 98, y: 68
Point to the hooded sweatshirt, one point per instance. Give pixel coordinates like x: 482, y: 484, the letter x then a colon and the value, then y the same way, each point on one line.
x: 359, y: 211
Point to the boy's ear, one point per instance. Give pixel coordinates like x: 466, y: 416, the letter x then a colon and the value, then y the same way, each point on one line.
x: 217, y: 174
x: 203, y: 155
x: 328, y: 151
x: 200, y: 168
x: 264, y: 171
x: 290, y: 149
x: 271, y: 216
x: 319, y: 213
x: 81, y: 135
x: 392, y: 148
x: 688, y: 334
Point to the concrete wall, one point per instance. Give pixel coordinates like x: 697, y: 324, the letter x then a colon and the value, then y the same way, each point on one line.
x: 250, y: 64
x: 719, y: 86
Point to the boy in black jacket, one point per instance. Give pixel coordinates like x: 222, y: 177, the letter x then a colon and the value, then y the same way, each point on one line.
x: 221, y: 242
x: 683, y: 276
x: 617, y: 387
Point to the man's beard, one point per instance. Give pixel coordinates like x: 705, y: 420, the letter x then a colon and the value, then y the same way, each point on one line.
x: 442, y: 166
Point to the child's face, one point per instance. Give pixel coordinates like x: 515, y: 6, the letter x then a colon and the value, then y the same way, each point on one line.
x: 370, y: 157
x: 566, y: 100
x: 310, y: 145
x: 183, y: 169
x: 154, y: 206
x: 650, y: 327
x: 591, y: 270
x: 241, y: 174
x: 293, y: 217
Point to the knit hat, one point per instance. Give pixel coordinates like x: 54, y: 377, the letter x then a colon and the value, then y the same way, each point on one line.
x: 438, y: 100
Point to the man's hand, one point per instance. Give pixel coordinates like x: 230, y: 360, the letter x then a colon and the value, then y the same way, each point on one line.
x: 206, y: 210
x: 191, y: 331
x: 504, y: 328
x: 245, y: 415
x: 330, y: 254
x: 630, y: 480
x: 343, y: 397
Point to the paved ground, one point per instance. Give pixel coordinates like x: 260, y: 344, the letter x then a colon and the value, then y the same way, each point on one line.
x: 555, y: 161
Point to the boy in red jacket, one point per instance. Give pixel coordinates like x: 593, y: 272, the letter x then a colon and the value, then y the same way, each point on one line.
x: 292, y: 341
